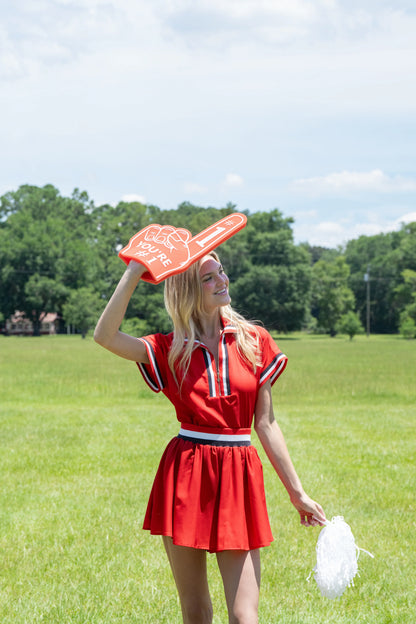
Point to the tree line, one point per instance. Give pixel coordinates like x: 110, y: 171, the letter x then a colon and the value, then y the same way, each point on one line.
x: 59, y: 254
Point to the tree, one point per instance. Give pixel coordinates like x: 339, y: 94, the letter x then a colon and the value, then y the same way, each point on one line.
x: 405, y: 300
x: 350, y: 324
x: 388, y: 255
x: 51, y: 245
x: 46, y: 248
x: 82, y: 309
x: 321, y: 253
x: 43, y: 294
x: 273, y: 295
x: 407, y: 327
x: 331, y: 296
x: 273, y: 275
x: 407, y: 247
x: 405, y: 292
x: 147, y: 305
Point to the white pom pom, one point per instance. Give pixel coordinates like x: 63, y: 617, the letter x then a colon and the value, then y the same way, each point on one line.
x: 336, y: 558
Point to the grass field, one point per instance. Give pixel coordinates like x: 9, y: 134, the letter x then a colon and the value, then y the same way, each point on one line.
x: 80, y: 440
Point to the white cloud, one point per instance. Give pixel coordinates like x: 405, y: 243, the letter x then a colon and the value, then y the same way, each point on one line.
x: 36, y: 34
x: 132, y: 197
x: 232, y: 180
x: 232, y: 19
x: 345, y: 182
x: 337, y: 233
x: 409, y: 217
x: 333, y: 234
x: 226, y: 23
x: 340, y: 55
x: 325, y: 234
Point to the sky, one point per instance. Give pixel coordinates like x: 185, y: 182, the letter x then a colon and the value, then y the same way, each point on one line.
x: 307, y: 106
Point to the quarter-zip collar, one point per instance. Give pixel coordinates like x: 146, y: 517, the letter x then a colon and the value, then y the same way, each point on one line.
x: 218, y: 377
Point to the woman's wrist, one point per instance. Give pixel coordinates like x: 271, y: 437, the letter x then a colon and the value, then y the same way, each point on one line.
x: 136, y: 268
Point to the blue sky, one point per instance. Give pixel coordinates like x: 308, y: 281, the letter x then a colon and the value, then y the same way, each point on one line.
x: 303, y: 105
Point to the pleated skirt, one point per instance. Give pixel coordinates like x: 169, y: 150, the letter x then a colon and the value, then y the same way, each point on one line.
x: 209, y: 497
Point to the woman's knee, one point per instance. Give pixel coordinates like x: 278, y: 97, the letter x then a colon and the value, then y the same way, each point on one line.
x: 244, y: 615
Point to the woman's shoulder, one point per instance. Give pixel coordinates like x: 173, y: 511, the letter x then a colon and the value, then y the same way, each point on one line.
x: 259, y: 331
x: 264, y: 337
x: 159, y: 339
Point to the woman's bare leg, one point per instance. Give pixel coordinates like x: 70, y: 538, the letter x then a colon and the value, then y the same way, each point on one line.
x: 240, y: 571
x: 189, y: 567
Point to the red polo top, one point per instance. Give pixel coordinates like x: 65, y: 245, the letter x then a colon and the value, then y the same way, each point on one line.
x: 209, y: 397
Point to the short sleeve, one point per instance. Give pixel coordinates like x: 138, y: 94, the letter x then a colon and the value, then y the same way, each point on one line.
x: 155, y: 373
x: 273, y: 360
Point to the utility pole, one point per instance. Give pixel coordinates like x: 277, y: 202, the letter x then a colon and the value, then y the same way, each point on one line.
x: 367, y: 279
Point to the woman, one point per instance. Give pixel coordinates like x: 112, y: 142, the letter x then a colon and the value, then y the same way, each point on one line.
x: 208, y: 495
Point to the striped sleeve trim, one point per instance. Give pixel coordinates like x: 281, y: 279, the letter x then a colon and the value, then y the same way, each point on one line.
x: 274, y: 369
x: 151, y: 372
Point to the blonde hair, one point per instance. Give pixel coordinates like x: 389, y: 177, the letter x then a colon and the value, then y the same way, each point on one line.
x: 183, y: 301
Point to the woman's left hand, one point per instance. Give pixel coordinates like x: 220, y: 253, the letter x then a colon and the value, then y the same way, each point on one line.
x: 311, y: 513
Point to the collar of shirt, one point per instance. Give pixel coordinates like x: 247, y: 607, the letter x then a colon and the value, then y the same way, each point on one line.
x: 227, y: 328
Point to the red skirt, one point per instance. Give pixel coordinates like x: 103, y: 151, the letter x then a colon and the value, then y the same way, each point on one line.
x: 209, y: 497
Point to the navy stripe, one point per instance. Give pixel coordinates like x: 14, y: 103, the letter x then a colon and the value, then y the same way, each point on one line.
x: 278, y: 370
x: 272, y: 366
x: 211, y: 380
x: 148, y: 377
x: 153, y: 363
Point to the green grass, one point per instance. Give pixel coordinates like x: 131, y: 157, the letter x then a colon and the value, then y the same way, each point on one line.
x: 80, y: 440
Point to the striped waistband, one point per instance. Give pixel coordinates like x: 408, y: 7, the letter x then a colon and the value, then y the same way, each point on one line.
x: 241, y: 437
x: 215, y: 437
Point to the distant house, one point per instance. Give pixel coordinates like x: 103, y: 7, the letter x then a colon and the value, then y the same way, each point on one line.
x: 19, y: 325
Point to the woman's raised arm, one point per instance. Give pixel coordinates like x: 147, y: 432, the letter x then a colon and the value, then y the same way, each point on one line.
x: 107, y: 332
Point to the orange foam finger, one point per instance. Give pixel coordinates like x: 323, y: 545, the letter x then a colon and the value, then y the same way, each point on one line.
x: 165, y: 250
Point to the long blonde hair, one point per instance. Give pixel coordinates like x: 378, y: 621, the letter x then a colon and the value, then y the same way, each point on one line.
x: 183, y: 302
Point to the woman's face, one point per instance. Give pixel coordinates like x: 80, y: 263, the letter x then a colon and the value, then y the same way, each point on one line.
x: 214, y: 283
